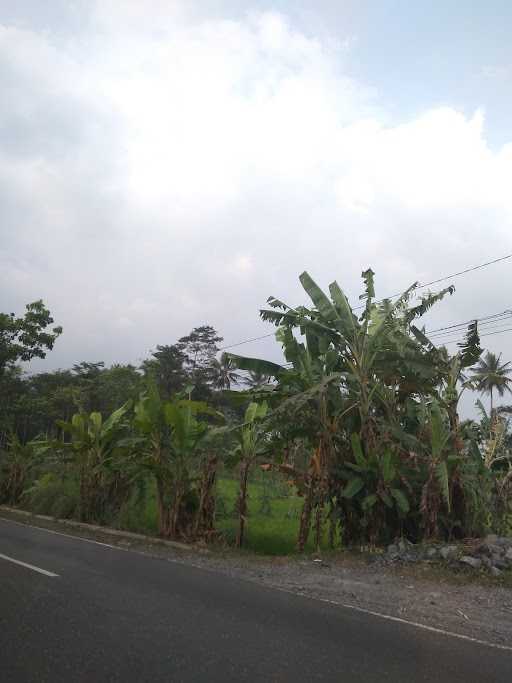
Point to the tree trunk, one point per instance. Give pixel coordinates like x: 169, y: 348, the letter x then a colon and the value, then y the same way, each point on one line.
x: 332, y: 526
x: 164, y: 513
x: 242, y: 501
x: 305, y: 517
x: 176, y: 525
x: 205, y: 520
x: 83, y: 495
x: 318, y: 525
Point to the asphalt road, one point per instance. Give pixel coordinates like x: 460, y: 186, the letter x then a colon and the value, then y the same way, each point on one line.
x: 113, y: 615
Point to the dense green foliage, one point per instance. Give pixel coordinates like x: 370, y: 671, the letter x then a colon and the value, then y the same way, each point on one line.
x: 27, y: 337
x: 358, y: 430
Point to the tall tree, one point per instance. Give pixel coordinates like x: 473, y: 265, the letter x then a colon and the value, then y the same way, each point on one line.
x: 27, y: 337
x: 167, y: 368
x: 87, y: 383
x: 200, y: 348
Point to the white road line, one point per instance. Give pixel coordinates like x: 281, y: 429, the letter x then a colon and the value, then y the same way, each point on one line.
x: 71, y: 536
x: 355, y: 608
x: 28, y: 566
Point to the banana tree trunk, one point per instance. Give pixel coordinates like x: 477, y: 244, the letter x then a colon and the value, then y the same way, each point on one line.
x: 83, y: 496
x: 164, y: 512
x: 318, y: 525
x: 242, y: 501
x: 305, y: 517
x: 205, y: 520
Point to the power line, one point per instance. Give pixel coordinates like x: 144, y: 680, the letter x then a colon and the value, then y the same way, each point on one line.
x: 482, y: 320
x: 488, y: 334
x: 393, y: 296
x: 441, y: 335
x: 289, y: 364
x: 447, y: 277
x: 487, y: 325
x: 246, y: 341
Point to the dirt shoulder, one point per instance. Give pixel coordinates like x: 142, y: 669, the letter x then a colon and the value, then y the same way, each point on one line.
x: 470, y: 604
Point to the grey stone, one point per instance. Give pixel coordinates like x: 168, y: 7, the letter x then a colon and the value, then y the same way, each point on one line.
x: 495, y: 571
x: 489, y: 549
x: 491, y: 538
x: 392, y: 549
x: 404, y: 545
x: 508, y: 555
x: 410, y: 557
x: 431, y: 553
x: 504, y: 541
x: 500, y: 563
x: 448, y: 552
x: 473, y: 562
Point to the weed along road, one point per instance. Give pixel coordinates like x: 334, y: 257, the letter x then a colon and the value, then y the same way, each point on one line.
x: 76, y: 610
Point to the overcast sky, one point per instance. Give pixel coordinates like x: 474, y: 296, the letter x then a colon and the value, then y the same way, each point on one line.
x: 165, y: 164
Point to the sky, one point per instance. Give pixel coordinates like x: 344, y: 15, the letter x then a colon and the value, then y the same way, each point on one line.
x: 168, y: 164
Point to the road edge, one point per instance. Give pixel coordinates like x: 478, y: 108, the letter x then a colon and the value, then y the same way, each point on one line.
x: 108, y: 531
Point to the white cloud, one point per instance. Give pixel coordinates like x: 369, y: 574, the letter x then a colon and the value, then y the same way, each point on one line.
x: 162, y: 169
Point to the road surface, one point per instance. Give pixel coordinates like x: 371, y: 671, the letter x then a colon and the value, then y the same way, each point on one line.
x: 72, y: 610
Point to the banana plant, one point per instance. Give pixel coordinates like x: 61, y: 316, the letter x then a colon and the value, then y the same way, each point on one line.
x: 452, y: 378
x: 94, y: 444
x: 376, y: 483
x: 433, y: 450
x: 373, y: 350
x: 170, y: 437
x: 16, y: 464
x: 251, y: 436
x: 369, y: 365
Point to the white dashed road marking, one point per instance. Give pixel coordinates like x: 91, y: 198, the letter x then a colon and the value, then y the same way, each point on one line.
x: 28, y: 566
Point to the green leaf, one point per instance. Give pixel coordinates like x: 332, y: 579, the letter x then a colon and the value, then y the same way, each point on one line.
x: 439, y: 434
x: 264, y: 367
x: 386, y: 499
x: 355, y: 468
x: 369, y: 287
x: 357, y: 449
x: 115, y: 417
x: 421, y: 337
x: 369, y: 501
x: 443, y: 479
x: 321, y: 301
x: 387, y: 467
x: 401, y: 500
x: 96, y: 422
x: 427, y: 301
x: 349, y: 320
x: 353, y: 487
x: 470, y: 349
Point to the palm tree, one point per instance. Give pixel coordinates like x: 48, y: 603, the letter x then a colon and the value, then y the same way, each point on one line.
x: 490, y: 375
x: 256, y: 379
x: 225, y: 374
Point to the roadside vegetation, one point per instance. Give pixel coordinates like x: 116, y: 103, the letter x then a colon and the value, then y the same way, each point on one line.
x: 354, y: 439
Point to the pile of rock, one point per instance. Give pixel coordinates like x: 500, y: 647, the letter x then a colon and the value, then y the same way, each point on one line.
x: 493, y: 553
